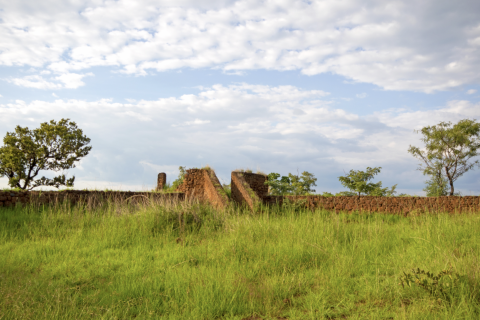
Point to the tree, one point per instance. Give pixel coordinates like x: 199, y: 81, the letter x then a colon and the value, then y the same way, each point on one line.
x: 357, y: 181
x: 434, y: 189
x: 181, y: 176
x: 291, y: 184
x: 54, y: 146
x: 448, y: 150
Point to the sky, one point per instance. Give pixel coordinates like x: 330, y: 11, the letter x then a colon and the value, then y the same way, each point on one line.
x: 277, y: 86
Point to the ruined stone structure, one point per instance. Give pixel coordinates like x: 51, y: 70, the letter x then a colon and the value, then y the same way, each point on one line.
x: 249, y: 189
x: 8, y: 198
x: 161, y: 181
x: 395, y: 205
x: 203, y: 185
x: 257, y: 183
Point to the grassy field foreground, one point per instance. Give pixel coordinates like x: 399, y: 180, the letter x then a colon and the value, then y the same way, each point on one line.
x: 186, y: 261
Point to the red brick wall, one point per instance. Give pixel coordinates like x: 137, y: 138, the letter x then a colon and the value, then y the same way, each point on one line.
x: 257, y: 183
x: 214, y: 192
x: 8, y: 198
x: 396, y: 205
x: 193, y: 184
x: 161, y: 180
x: 203, y: 185
x: 242, y: 193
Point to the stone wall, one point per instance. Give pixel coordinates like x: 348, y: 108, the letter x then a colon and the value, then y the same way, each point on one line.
x: 161, y: 180
x: 203, y: 185
x: 395, y: 205
x: 242, y: 193
x: 257, y: 183
x: 249, y: 189
x: 193, y: 184
x: 214, y: 192
x: 8, y: 198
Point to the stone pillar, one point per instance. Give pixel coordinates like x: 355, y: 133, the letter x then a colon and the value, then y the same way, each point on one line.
x: 161, y: 180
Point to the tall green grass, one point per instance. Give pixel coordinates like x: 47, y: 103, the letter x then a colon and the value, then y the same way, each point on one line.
x: 188, y: 261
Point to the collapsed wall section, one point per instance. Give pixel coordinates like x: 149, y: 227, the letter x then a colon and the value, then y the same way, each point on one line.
x: 203, y: 185
x: 214, y: 192
x: 257, y: 183
x: 193, y: 184
x: 242, y: 191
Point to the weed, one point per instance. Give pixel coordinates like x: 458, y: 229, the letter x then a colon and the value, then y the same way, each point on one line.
x: 441, y: 285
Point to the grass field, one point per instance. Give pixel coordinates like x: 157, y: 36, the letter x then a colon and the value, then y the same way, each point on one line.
x: 187, y: 261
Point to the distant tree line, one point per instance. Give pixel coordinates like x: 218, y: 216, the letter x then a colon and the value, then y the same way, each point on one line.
x: 448, y: 154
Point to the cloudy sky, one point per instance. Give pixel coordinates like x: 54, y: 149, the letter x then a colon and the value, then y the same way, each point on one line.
x: 280, y: 85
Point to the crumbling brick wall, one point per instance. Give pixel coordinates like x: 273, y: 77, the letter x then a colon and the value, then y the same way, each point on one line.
x: 203, y: 185
x: 8, y: 198
x: 214, y: 192
x: 257, y: 183
x: 161, y: 180
x: 242, y: 193
x: 193, y: 184
x: 395, y: 205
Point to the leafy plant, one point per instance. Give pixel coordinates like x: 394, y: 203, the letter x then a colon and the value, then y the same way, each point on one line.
x: 228, y: 189
x: 357, y: 181
x: 54, y: 146
x: 294, y: 206
x: 345, y: 194
x: 291, y: 184
x: 448, y: 150
x: 327, y: 194
x: 440, y: 285
x: 181, y: 176
x: 435, y: 189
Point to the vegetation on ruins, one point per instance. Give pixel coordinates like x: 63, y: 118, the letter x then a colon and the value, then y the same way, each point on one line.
x: 181, y: 260
x: 228, y: 189
x: 177, y: 182
x: 448, y: 151
x: 357, y: 181
x: 54, y: 146
x: 291, y: 184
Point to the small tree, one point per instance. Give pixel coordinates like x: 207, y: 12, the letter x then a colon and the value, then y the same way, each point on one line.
x: 357, y: 181
x: 181, y: 176
x: 291, y: 184
x: 54, y: 146
x: 448, y: 150
x: 434, y: 189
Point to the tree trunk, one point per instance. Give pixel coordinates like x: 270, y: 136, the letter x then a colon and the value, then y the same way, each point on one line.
x: 451, y: 182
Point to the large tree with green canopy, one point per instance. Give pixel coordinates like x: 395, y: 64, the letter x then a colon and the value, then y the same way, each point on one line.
x: 448, y: 151
x: 54, y: 146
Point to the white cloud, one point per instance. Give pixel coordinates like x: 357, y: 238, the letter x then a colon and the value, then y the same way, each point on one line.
x: 197, y: 121
x: 361, y: 95
x: 278, y: 128
x: 403, y: 45
x: 63, y: 81
x: 54, y: 95
x: 471, y: 91
x: 36, y: 82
